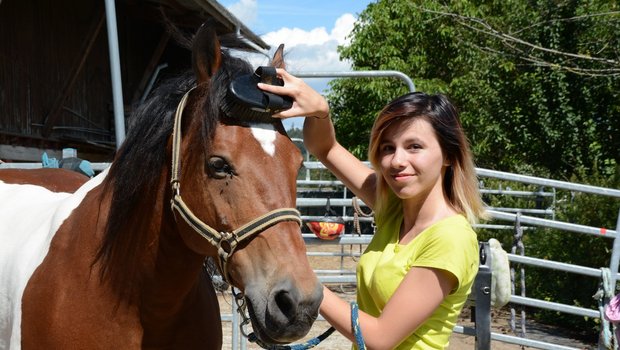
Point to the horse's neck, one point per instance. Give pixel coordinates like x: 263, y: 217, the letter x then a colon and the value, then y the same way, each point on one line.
x: 170, y: 297
x: 169, y: 270
x: 176, y: 267
x: 173, y: 280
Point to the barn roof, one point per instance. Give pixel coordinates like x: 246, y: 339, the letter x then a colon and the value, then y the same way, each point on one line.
x: 223, y: 16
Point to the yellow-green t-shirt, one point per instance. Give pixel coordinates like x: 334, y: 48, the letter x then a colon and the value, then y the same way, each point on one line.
x: 449, y: 244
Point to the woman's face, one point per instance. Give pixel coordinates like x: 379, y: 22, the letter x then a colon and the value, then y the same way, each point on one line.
x: 412, y: 161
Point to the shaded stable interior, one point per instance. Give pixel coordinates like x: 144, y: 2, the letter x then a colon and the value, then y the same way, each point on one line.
x: 55, y: 81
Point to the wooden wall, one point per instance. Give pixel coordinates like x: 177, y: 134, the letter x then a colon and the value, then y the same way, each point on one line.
x: 55, y: 88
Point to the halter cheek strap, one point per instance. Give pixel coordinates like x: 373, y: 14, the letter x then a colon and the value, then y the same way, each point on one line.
x: 225, y: 242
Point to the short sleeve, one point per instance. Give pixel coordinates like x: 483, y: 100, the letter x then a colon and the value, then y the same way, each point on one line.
x: 450, y: 246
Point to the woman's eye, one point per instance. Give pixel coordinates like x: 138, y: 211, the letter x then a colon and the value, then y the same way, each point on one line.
x: 219, y: 168
x: 387, y: 148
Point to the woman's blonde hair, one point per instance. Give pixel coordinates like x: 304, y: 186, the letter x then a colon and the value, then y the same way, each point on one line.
x: 460, y: 183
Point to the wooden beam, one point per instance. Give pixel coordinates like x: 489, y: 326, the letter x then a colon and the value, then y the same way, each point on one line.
x: 150, y: 67
x: 17, y: 147
x: 93, y: 32
x: 26, y: 154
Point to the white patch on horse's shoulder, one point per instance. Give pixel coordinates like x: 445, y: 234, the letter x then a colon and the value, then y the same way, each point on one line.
x: 265, y: 134
x: 30, y: 216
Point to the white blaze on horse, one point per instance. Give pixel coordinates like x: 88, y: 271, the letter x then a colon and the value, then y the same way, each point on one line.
x: 118, y: 264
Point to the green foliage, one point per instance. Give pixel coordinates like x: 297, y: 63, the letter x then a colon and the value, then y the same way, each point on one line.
x: 537, y: 82
x: 295, y: 132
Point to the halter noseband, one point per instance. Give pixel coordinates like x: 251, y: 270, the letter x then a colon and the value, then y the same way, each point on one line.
x: 225, y: 242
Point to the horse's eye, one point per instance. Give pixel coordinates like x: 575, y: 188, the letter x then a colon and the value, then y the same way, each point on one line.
x: 219, y: 168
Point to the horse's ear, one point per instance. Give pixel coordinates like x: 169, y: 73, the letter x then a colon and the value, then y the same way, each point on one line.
x: 206, y: 53
x: 278, y: 58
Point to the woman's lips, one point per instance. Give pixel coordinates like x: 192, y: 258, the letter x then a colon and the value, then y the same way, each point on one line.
x: 402, y: 176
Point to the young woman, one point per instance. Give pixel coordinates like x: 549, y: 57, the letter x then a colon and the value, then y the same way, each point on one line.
x: 417, y: 272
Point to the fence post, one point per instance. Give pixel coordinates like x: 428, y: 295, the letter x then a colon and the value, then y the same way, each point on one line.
x: 615, y: 255
x: 613, y: 269
x: 482, y: 288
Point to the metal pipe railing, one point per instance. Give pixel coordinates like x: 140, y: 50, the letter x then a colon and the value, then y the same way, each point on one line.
x: 360, y: 74
x: 532, y: 180
x: 564, y: 226
x: 603, y: 191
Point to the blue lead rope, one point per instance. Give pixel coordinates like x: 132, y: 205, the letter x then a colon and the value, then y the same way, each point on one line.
x: 355, y: 326
x: 303, y: 346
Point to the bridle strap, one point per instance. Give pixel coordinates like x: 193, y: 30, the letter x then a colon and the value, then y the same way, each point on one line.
x: 225, y: 242
x: 176, y: 141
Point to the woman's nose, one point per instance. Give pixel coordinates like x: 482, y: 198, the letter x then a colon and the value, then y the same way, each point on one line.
x: 398, y: 159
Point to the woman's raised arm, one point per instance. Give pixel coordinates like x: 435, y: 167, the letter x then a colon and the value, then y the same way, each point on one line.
x: 320, y: 136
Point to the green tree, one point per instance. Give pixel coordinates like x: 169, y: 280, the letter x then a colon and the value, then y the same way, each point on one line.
x: 538, y: 82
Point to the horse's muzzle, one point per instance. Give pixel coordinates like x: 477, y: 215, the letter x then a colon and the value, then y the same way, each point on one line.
x: 286, y: 315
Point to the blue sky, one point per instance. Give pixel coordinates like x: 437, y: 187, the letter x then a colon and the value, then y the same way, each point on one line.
x: 264, y: 16
x: 311, y: 30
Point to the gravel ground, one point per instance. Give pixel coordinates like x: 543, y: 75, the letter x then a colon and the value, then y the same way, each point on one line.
x: 500, y: 324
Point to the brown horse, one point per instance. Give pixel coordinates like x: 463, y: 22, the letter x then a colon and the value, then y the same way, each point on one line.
x: 54, y: 179
x: 116, y: 266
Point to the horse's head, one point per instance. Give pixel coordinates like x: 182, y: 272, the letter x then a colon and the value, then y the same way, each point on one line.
x: 234, y: 166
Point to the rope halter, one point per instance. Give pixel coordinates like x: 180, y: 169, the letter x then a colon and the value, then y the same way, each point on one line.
x: 225, y: 242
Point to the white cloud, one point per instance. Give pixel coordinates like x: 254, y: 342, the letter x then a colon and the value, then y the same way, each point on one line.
x: 307, y: 50
x: 245, y: 10
x: 317, y: 36
x: 295, y: 36
x: 343, y: 27
x: 313, y: 50
x: 323, y: 57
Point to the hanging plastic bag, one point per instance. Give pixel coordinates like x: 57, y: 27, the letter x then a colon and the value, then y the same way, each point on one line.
x: 329, y: 227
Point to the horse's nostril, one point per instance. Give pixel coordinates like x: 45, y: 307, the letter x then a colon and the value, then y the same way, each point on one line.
x: 286, y: 303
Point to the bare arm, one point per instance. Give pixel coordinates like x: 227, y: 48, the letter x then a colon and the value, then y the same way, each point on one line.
x: 320, y: 137
x: 419, y: 294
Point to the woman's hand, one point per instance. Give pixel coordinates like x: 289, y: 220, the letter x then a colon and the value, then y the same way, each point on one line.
x: 306, y: 101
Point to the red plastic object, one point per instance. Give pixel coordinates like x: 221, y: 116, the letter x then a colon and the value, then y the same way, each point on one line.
x: 326, y: 230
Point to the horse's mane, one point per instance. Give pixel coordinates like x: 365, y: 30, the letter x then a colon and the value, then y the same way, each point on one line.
x: 139, y: 168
